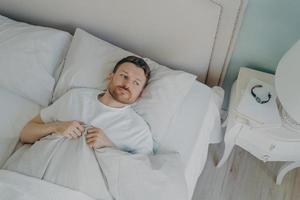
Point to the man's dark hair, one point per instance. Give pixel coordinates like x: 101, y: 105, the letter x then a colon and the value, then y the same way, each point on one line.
x: 138, y: 62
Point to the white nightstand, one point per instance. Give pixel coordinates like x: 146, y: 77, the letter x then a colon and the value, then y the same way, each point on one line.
x: 267, y: 144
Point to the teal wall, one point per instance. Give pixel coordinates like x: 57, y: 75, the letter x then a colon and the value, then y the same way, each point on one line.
x: 269, y: 29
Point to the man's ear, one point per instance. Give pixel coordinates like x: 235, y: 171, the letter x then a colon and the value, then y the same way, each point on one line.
x: 110, y: 76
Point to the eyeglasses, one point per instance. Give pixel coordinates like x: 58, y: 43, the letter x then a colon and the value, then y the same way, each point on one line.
x: 257, y: 98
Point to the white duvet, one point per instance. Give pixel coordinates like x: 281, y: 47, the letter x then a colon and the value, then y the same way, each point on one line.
x: 106, y: 173
x: 15, y: 186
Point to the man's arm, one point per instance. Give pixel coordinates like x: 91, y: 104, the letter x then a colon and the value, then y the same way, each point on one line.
x: 35, y: 129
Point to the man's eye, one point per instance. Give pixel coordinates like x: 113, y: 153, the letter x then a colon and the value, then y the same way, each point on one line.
x: 136, y: 83
x: 123, y: 76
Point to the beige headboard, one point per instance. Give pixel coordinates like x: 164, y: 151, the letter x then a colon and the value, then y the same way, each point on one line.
x: 193, y: 35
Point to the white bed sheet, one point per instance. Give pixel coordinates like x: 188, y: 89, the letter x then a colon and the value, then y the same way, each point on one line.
x: 198, y: 119
x: 16, y: 111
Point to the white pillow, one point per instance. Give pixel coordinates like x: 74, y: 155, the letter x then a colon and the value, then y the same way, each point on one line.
x: 88, y: 63
x: 162, y: 97
x: 15, y: 112
x: 29, y: 56
x: 90, y: 60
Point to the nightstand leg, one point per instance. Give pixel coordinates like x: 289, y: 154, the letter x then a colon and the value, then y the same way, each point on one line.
x: 229, y: 142
x: 226, y: 154
x: 288, y: 166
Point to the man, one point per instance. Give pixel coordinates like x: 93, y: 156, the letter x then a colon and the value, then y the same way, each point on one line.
x: 113, y: 121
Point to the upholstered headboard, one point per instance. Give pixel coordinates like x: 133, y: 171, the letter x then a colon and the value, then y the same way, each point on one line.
x: 193, y: 35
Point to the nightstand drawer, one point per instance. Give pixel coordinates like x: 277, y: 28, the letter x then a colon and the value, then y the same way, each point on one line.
x: 267, y: 148
x: 256, y: 143
x: 286, y: 151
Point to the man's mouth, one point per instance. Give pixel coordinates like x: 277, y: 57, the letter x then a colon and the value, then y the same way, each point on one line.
x: 123, y: 89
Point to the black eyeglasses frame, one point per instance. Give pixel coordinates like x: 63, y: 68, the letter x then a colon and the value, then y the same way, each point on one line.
x: 257, y: 98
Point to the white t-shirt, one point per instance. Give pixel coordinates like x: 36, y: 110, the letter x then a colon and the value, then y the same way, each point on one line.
x: 123, y: 126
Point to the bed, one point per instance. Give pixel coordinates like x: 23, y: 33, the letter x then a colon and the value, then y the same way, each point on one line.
x: 201, y: 131
x: 197, y: 115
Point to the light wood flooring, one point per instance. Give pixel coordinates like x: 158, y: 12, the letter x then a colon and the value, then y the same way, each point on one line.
x: 244, y: 177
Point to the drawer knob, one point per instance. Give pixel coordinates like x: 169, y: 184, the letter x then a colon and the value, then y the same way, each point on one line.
x: 272, y: 146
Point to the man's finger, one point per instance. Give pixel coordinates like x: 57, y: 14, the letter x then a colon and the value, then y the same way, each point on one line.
x: 80, y: 128
x: 90, y: 140
x: 91, y: 144
x: 72, y: 134
x: 90, y: 135
x: 77, y: 132
x: 93, y: 129
x: 78, y: 125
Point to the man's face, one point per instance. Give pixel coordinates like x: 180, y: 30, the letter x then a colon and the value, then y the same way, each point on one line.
x: 127, y: 83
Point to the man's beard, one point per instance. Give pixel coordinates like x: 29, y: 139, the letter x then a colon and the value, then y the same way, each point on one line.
x: 113, y: 93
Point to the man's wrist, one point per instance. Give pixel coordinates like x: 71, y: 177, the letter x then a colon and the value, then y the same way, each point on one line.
x: 53, y: 127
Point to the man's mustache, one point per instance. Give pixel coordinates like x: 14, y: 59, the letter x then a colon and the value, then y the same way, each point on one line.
x: 124, y: 88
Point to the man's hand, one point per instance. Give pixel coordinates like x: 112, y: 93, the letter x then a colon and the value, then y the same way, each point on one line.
x: 70, y: 129
x: 96, y: 138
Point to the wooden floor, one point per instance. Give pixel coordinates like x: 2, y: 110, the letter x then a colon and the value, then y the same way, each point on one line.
x: 243, y: 177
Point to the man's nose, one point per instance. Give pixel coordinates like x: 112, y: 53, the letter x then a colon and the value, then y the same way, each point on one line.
x: 126, y: 83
